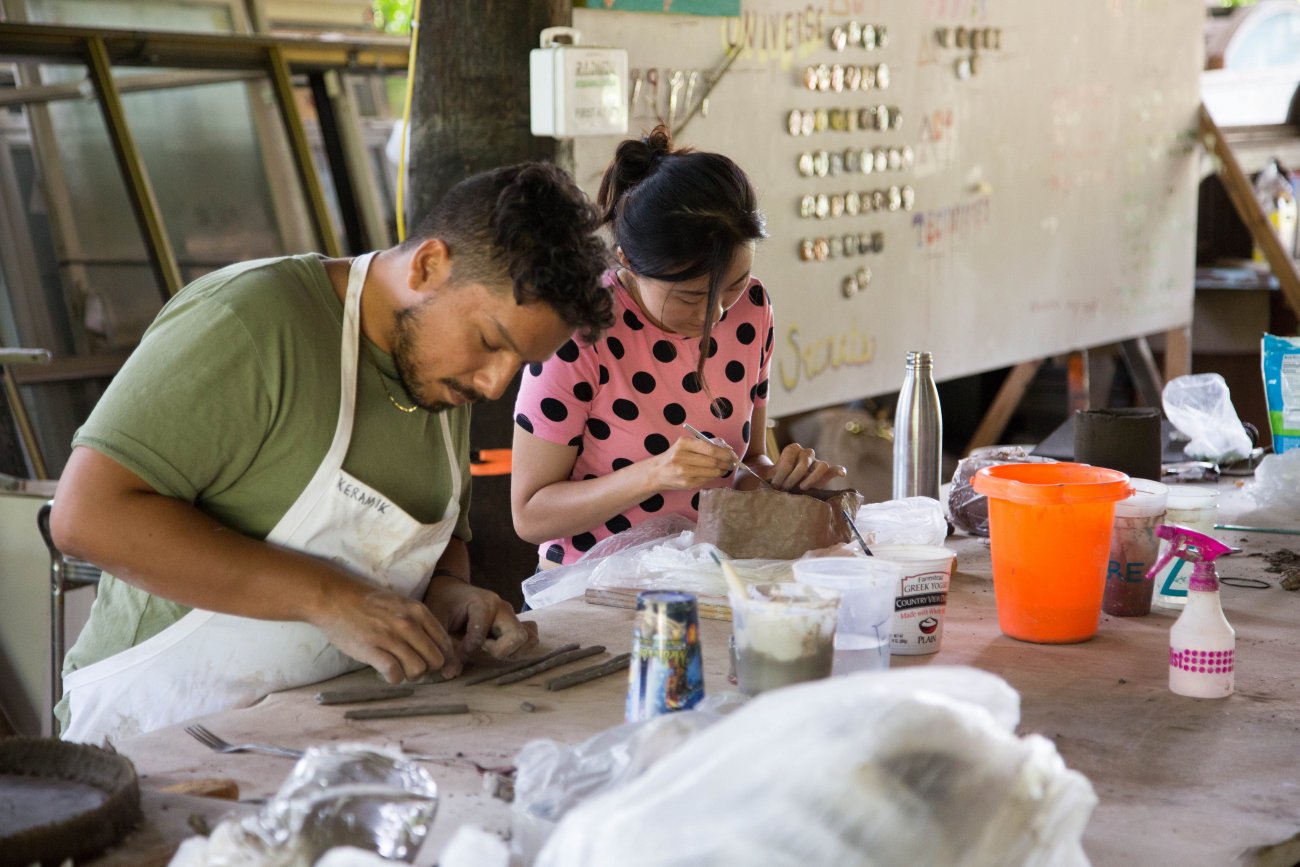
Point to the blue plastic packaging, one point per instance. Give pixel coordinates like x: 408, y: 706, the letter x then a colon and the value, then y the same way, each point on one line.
x: 1281, y: 360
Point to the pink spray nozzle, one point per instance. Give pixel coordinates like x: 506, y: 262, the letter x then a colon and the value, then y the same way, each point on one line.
x: 1194, y: 547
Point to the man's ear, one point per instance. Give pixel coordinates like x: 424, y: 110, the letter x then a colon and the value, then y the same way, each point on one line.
x: 430, y: 267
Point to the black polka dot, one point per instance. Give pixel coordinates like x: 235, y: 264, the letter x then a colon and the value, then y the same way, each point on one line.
x: 708, y: 434
x: 555, y: 553
x: 615, y: 346
x: 767, y: 347
x: 576, y: 441
x: 753, y: 392
x: 631, y: 320
x: 713, y: 347
x: 620, y: 463
x: 653, y: 504
x: 588, y: 477
x: 656, y: 444
x: 721, y: 408
x: 584, y: 541
x: 695, y: 501
x: 583, y: 391
x: 744, y: 432
x: 746, y: 333
x: 598, y: 428
x: 664, y: 351
x: 756, y: 294
x: 762, y: 388
x: 735, y: 371
x: 617, y: 524
x: 567, y: 352
x: 535, y: 369
x: 691, y: 382
x: 604, y: 374
x: 579, y: 454
x: 723, y: 317
x: 626, y: 410
x: 554, y: 409
x: 523, y: 422
x: 674, y: 413
x: 643, y: 382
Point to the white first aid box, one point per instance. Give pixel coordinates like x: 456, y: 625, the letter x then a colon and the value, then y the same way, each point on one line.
x: 576, y: 90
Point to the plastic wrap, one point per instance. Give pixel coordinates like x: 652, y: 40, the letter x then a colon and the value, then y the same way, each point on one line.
x: 968, y: 508
x: 909, y: 521
x: 348, y: 795
x: 659, y: 554
x: 1277, y: 482
x: 912, y: 767
x: 1200, y: 406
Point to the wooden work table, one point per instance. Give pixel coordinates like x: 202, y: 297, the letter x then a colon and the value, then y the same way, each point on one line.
x: 1180, y: 781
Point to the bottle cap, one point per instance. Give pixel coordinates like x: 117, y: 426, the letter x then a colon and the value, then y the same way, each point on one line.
x: 916, y: 358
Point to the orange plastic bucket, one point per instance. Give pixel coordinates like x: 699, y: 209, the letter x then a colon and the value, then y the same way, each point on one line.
x: 1049, y: 529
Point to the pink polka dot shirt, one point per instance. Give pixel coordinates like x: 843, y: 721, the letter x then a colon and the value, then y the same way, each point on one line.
x: 624, y: 398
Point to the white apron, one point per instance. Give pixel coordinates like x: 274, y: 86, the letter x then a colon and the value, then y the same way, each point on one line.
x: 208, y: 662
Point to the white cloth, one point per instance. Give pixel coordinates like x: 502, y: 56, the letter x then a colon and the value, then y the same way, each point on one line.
x: 208, y: 662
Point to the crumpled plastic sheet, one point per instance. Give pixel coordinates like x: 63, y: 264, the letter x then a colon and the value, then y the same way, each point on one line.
x: 908, y: 521
x: 337, y: 800
x: 1277, y: 482
x: 919, y: 766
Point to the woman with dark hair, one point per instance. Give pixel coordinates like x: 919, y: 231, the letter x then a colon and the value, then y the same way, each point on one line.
x: 599, y: 443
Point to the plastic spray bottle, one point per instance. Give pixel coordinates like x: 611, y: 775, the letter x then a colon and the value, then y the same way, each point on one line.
x: 1202, y: 646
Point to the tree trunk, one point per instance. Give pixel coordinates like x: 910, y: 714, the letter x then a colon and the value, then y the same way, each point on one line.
x: 470, y: 113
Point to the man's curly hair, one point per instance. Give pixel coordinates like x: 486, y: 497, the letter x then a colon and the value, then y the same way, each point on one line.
x: 528, y: 225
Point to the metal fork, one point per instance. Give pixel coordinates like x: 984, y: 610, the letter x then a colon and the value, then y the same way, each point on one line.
x: 211, y: 741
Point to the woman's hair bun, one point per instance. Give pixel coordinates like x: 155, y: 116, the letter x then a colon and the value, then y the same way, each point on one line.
x: 634, y: 161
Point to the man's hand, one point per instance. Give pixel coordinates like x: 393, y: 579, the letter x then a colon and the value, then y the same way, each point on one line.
x: 486, y: 619
x: 396, y: 635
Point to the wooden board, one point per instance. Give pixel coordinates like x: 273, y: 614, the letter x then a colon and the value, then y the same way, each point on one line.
x: 1055, y: 189
x: 710, y: 607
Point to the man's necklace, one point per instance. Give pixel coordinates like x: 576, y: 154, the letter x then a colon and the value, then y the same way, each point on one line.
x: 384, y: 382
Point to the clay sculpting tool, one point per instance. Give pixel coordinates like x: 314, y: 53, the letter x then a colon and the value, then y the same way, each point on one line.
x: 740, y: 465
x: 582, y: 675
x: 735, y: 587
x: 406, y: 710
x: 516, y: 666
x: 844, y: 510
x: 547, y: 665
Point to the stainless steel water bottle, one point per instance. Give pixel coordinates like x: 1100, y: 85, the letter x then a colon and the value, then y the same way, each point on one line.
x: 918, y: 431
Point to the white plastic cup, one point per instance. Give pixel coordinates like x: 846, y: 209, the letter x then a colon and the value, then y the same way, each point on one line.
x: 1133, y: 549
x: 916, y: 628
x: 1196, y: 509
x: 867, y: 587
x: 784, y: 635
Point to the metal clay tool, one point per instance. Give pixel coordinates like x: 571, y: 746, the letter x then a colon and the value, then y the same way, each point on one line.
x: 740, y: 465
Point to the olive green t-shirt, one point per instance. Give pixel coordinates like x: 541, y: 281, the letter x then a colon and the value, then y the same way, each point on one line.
x: 230, y: 403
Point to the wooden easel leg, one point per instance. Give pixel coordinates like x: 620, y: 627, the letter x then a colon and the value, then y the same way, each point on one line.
x: 1142, y: 368
x: 1178, y: 352
x: 1004, y: 404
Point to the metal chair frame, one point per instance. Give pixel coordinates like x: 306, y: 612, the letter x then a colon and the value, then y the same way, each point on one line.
x: 66, y: 573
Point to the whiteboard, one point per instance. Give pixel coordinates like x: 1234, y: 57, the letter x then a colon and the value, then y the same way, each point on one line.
x: 1054, y: 189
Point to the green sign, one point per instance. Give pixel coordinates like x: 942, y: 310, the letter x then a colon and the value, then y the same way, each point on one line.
x: 729, y: 8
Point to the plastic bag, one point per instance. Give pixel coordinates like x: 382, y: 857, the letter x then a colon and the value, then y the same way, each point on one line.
x: 347, y: 795
x: 552, y: 778
x: 909, y: 521
x: 967, y: 508
x: 1199, y: 405
x: 907, y: 767
x: 1277, y: 482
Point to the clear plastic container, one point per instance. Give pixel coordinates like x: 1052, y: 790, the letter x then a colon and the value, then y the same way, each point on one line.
x: 785, y: 633
x: 1196, y: 509
x: 1133, y: 549
x: 867, y: 588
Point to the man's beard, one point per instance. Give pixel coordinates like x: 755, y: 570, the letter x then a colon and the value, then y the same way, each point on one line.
x: 404, y: 327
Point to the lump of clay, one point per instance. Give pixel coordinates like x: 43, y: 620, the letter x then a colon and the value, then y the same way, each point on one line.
x: 771, y: 525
